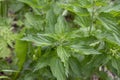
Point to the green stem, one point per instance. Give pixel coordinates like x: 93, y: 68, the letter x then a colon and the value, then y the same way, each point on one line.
x: 92, y: 16
x: 4, y: 8
x: 1, y: 8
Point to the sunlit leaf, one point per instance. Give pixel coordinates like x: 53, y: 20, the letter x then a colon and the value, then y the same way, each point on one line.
x: 64, y: 56
x: 21, y: 48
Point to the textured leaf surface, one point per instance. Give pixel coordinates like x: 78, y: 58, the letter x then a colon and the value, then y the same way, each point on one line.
x: 64, y: 56
x: 83, y: 50
x: 61, y: 25
x: 57, y: 69
x: 39, y: 41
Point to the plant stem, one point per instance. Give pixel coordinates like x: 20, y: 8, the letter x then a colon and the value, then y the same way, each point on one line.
x: 92, y: 16
x: 4, y: 8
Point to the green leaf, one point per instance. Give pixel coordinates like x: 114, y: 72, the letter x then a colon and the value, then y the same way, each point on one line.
x: 51, y: 20
x: 6, y: 37
x: 89, y: 51
x: 108, y: 22
x: 77, y: 9
x: 42, y: 62
x: 21, y: 50
x: 32, y: 3
x: 38, y: 40
x: 33, y: 21
x: 61, y: 25
x: 116, y: 65
x: 64, y: 56
x: 4, y: 77
x: 99, y: 60
x: 84, y: 50
x: 110, y: 8
x: 4, y: 50
x: 57, y: 69
x: 116, y: 38
x: 75, y: 67
x: 109, y: 37
x: 83, y: 21
x: 16, y: 6
x: 6, y: 70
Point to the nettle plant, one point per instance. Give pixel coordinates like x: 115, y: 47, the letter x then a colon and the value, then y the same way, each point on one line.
x: 73, y: 39
x: 69, y: 40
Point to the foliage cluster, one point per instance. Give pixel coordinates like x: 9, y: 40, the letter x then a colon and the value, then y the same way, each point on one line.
x: 59, y: 39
